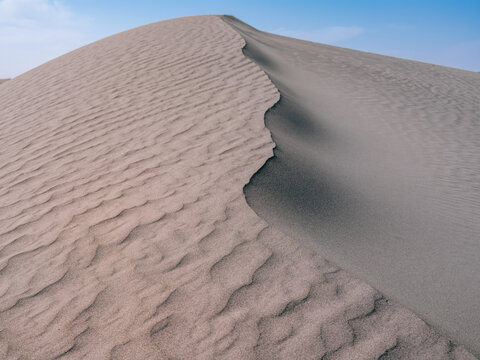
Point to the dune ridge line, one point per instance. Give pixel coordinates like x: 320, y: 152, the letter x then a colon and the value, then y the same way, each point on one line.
x: 124, y: 230
x: 371, y: 170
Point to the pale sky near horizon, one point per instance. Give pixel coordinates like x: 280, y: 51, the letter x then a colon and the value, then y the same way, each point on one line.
x: 440, y: 32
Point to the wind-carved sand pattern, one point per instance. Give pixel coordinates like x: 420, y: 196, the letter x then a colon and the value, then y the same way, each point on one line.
x: 125, y: 233
x: 376, y: 164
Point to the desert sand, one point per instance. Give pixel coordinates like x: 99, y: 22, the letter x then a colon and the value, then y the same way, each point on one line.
x: 378, y: 163
x: 3, y: 80
x: 124, y: 228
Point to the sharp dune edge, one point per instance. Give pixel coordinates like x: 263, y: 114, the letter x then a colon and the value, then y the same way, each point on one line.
x: 377, y: 164
x: 125, y: 233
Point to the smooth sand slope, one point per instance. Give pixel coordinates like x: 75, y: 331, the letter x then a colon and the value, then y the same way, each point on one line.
x: 124, y: 230
x: 378, y: 163
x: 3, y: 80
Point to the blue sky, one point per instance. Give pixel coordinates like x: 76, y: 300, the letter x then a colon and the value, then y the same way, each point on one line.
x: 440, y: 32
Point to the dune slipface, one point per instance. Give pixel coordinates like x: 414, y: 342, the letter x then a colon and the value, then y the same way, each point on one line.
x: 125, y: 233
x: 377, y: 164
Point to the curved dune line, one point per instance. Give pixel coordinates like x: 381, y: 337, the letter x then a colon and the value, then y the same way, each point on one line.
x: 376, y: 165
x: 124, y: 230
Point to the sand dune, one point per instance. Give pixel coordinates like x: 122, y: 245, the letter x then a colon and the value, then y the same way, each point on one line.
x: 377, y: 162
x: 3, y: 80
x: 124, y: 229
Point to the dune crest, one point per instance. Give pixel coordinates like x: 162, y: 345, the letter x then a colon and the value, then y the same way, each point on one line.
x: 124, y: 230
x: 377, y: 165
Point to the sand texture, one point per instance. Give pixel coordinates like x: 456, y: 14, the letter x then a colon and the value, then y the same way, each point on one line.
x: 3, y: 80
x: 378, y: 165
x: 124, y: 229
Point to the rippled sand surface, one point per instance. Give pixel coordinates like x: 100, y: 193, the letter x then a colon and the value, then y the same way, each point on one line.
x: 124, y: 229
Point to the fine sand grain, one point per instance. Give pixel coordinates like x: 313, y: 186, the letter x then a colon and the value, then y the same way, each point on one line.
x: 378, y: 165
x: 124, y: 230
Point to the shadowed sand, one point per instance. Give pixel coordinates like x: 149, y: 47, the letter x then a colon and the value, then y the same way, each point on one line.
x: 377, y: 162
x: 124, y: 230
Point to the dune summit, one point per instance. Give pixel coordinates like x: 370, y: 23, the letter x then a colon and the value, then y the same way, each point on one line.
x: 124, y: 229
x: 378, y: 164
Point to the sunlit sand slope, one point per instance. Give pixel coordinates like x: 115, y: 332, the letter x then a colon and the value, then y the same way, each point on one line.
x: 125, y: 233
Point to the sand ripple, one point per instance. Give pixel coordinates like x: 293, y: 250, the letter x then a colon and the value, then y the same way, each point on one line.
x: 124, y: 231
